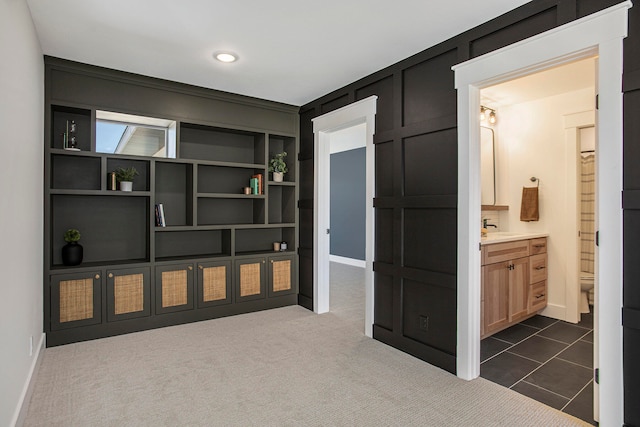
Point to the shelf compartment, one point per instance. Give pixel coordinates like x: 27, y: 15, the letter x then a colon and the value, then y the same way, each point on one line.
x: 260, y: 240
x: 228, y: 180
x: 59, y: 117
x: 198, y: 142
x: 282, y: 204
x: 174, y: 189
x: 141, y: 181
x: 278, y: 144
x: 227, y: 211
x: 178, y: 245
x: 75, y: 172
x: 113, y: 229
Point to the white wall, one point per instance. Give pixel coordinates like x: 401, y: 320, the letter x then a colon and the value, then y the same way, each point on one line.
x: 531, y: 142
x: 21, y: 218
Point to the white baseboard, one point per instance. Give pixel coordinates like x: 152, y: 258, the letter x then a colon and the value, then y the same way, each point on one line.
x: 555, y: 311
x: 349, y: 261
x: 27, y: 390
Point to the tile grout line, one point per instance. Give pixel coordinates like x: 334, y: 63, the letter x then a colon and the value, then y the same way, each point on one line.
x: 573, y: 398
x: 513, y: 345
x: 547, y: 390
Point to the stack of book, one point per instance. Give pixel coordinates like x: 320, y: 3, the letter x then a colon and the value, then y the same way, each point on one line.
x: 160, y: 221
x: 256, y: 184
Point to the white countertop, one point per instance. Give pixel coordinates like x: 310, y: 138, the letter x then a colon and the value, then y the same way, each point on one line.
x: 509, y: 236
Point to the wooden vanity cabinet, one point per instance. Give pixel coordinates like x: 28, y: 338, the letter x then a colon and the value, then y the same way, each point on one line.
x: 513, y: 283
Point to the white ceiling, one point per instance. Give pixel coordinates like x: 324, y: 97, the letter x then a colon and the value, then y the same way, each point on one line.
x: 291, y: 51
x: 555, y: 81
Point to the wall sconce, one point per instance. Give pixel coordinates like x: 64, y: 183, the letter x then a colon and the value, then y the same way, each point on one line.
x: 483, y: 114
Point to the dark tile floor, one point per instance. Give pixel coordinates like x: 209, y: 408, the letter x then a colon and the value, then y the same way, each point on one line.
x: 545, y: 359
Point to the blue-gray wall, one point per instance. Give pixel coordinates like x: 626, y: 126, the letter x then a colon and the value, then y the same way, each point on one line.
x: 348, y: 204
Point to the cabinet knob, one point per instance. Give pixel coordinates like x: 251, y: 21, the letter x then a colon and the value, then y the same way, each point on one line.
x: 200, y: 267
x: 110, y: 275
x: 271, y: 261
x: 263, y: 261
x: 541, y: 267
x: 190, y: 267
x: 97, y: 276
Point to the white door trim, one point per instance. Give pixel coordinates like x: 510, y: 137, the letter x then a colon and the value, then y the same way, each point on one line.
x: 598, y: 34
x: 363, y: 111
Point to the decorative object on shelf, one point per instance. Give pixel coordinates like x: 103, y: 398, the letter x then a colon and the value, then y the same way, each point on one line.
x: 278, y: 166
x: 112, y: 181
x: 276, y: 246
x: 70, y: 141
x: 72, y: 251
x: 160, y: 221
x: 253, y: 182
x: 125, y: 177
x: 247, y: 190
x: 283, y: 246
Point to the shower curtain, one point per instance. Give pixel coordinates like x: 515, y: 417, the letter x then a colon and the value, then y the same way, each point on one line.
x: 587, y: 214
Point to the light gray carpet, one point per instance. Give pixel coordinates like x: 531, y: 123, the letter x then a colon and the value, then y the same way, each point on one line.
x: 283, y: 367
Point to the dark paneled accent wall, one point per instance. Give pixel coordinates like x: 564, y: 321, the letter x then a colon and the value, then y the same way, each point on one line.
x: 347, y: 204
x: 416, y: 184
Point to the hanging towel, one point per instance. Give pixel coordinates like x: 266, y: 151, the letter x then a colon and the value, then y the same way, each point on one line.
x: 529, y: 208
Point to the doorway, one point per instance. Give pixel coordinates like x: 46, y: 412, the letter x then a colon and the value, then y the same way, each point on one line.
x: 538, y: 122
x: 360, y: 112
x: 599, y: 34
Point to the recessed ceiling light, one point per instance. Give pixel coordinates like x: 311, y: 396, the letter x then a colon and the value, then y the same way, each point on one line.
x: 225, y: 56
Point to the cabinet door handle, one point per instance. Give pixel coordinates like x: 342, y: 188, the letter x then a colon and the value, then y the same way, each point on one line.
x: 540, y: 267
x: 190, y: 267
x: 538, y: 246
x: 200, y: 267
x: 271, y: 261
x: 110, y: 275
x: 539, y: 296
x: 97, y: 276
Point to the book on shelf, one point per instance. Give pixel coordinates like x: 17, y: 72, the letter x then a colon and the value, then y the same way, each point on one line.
x: 258, y: 176
x: 253, y: 183
x: 160, y: 221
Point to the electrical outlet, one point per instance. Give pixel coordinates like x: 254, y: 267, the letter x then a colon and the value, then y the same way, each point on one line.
x: 31, y: 346
x: 424, y: 323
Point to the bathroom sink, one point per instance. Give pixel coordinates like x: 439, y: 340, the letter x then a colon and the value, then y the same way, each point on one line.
x: 505, y: 236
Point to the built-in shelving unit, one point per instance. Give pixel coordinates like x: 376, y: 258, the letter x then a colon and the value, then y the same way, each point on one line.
x: 213, y: 257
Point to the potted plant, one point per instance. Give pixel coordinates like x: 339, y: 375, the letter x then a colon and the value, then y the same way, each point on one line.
x: 125, y: 177
x: 72, y: 251
x: 278, y: 166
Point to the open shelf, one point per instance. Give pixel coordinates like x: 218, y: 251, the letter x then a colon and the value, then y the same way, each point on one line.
x: 218, y: 211
x: 181, y: 245
x: 227, y: 180
x: 200, y: 142
x: 113, y: 229
x: 174, y: 189
x: 282, y: 204
x: 75, y: 172
x: 278, y: 144
x: 141, y: 181
x: 260, y: 240
x: 59, y: 117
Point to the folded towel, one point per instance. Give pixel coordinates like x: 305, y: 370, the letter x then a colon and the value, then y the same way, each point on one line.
x: 529, y: 207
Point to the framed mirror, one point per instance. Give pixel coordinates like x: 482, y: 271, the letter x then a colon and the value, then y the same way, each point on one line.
x: 487, y: 166
x: 118, y: 133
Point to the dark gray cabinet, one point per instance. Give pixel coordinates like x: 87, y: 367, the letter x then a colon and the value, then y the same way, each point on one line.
x: 209, y: 259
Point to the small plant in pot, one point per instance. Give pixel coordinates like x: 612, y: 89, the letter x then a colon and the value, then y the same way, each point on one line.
x: 125, y: 177
x: 72, y: 251
x: 278, y: 166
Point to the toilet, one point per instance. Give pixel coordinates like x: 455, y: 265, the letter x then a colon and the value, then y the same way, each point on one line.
x: 586, y: 288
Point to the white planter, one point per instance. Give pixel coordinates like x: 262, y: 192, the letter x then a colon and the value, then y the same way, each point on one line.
x: 277, y: 176
x: 126, y: 186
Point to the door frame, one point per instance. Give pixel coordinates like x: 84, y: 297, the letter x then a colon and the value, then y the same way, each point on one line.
x: 601, y: 34
x: 359, y: 112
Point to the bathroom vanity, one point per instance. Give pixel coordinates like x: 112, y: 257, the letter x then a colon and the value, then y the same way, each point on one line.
x: 514, y: 279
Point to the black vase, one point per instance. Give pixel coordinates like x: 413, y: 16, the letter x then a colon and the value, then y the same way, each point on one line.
x: 72, y: 253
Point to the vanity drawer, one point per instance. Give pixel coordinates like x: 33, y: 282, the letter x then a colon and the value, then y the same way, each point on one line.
x: 537, y: 297
x: 504, y: 251
x: 538, y: 246
x: 537, y: 268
